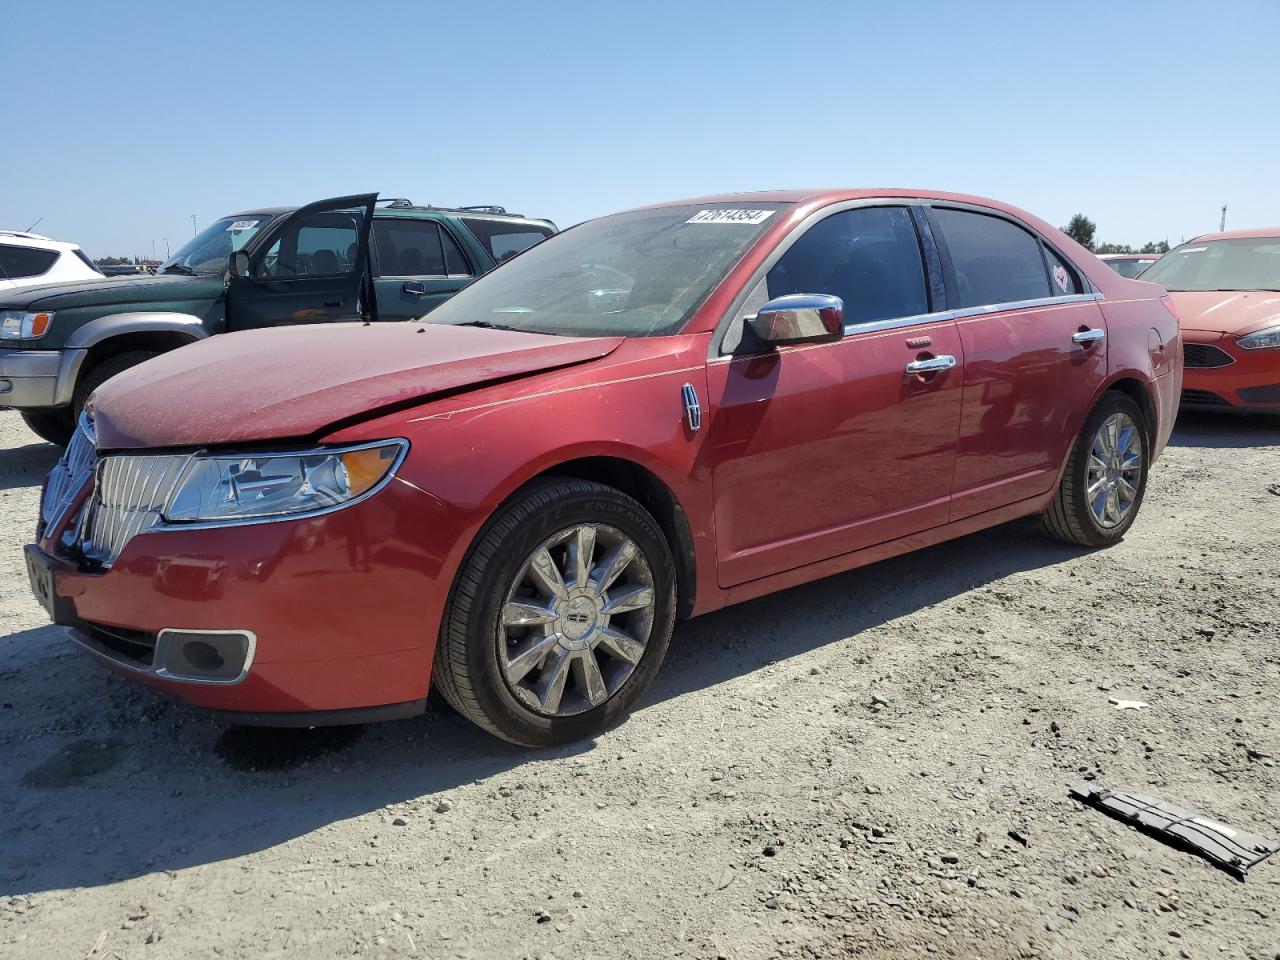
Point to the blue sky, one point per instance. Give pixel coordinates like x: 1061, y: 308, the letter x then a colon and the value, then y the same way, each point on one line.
x: 122, y: 120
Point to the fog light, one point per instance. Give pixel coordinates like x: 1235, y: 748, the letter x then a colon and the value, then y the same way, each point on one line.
x: 204, y: 656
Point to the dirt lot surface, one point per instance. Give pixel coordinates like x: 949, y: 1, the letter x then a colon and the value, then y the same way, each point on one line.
x: 839, y: 770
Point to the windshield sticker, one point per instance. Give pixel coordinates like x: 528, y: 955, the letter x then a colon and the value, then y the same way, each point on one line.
x: 243, y: 225
x: 730, y: 216
x: 1194, y: 250
x: 1060, y: 278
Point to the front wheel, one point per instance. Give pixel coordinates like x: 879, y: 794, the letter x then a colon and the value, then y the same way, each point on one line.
x: 560, y: 616
x: 54, y: 427
x: 1106, y: 476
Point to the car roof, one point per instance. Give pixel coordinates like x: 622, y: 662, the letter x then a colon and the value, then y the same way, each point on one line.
x: 819, y: 197
x: 26, y: 239
x: 480, y: 213
x: 1254, y: 234
x: 1130, y: 256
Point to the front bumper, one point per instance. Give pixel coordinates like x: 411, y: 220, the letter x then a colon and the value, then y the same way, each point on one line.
x: 343, y: 610
x: 38, y: 379
x: 1249, y: 381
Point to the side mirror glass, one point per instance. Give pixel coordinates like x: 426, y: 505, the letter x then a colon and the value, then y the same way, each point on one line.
x: 239, y: 265
x: 799, y: 318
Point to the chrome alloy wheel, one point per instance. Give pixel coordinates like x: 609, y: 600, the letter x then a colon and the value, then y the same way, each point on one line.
x: 576, y: 620
x: 1115, y: 470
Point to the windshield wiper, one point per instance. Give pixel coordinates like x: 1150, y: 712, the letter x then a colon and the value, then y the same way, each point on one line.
x: 180, y: 268
x: 486, y: 325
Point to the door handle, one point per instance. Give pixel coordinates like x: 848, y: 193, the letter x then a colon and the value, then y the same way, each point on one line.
x: 333, y: 303
x: 415, y: 287
x: 1088, y: 336
x: 932, y: 365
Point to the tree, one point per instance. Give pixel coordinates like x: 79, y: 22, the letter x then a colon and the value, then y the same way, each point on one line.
x: 1113, y: 248
x: 1161, y: 247
x: 1081, y: 229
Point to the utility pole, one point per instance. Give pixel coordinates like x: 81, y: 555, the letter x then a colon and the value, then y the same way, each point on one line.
x: 193, y: 224
x: 1222, y: 224
x: 166, y: 248
x: 153, y: 249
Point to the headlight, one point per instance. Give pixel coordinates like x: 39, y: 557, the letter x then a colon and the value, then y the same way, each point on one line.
x: 16, y: 325
x: 245, y: 487
x: 1262, y: 340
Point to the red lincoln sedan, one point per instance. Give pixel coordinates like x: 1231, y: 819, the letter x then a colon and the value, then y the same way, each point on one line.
x: 1227, y: 290
x: 649, y: 416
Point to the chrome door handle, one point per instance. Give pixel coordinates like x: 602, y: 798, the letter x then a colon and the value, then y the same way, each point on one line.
x: 1088, y: 336
x: 932, y: 365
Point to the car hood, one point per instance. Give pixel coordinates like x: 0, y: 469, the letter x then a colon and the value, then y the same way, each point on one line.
x: 1225, y: 311
x: 293, y: 382
x: 106, y: 291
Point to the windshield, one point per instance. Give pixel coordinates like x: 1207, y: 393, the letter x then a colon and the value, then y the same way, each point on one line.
x: 1239, y: 264
x: 210, y: 249
x: 638, y: 274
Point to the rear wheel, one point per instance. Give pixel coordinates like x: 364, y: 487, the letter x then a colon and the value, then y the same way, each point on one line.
x: 1106, y: 476
x: 53, y: 427
x: 560, y: 617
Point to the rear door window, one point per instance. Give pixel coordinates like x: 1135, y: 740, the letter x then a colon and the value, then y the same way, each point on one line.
x: 17, y: 263
x: 504, y: 239
x: 416, y: 248
x: 994, y: 261
x: 869, y: 257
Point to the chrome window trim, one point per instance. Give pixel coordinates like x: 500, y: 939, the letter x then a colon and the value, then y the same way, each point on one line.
x: 968, y: 312
x: 715, y: 348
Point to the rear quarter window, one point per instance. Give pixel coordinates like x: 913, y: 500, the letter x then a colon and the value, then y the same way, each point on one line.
x: 504, y: 239
x: 17, y: 263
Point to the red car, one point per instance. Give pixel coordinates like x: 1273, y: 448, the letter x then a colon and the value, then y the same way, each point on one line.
x: 1227, y: 290
x: 1128, y: 264
x: 647, y: 417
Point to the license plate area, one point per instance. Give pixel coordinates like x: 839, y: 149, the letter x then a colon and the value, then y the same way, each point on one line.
x: 40, y: 574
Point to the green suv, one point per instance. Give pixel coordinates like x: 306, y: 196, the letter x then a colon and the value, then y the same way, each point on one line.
x: 347, y: 258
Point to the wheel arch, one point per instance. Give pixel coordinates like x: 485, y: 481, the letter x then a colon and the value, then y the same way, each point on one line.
x: 121, y: 332
x: 646, y: 487
x: 1140, y: 391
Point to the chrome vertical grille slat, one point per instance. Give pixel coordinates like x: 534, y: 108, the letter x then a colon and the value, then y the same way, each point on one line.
x: 129, y: 495
x: 69, y: 474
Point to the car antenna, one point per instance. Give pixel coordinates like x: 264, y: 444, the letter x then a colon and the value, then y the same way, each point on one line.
x: 37, y: 223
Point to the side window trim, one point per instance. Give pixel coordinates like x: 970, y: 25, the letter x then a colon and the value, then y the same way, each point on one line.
x: 442, y: 232
x: 1089, y: 291
x: 946, y: 313
x: 734, y: 312
x: 462, y: 251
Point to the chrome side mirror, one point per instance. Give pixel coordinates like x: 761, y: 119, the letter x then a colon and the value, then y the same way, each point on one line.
x: 799, y: 318
x: 239, y: 265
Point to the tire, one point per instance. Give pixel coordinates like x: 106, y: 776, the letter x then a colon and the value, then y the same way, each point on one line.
x: 56, y: 428
x: 478, y: 664
x: 1072, y: 517
x: 101, y: 373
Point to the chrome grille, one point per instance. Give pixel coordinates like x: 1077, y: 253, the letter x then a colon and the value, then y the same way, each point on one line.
x: 69, y: 474
x: 129, y: 494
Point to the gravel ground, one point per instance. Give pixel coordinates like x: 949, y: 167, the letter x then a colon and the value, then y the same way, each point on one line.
x: 838, y: 770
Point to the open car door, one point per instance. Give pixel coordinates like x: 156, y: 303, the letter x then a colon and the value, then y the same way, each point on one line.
x: 312, y: 267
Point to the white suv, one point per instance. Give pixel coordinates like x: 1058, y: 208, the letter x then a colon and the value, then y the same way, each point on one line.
x: 27, y: 259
